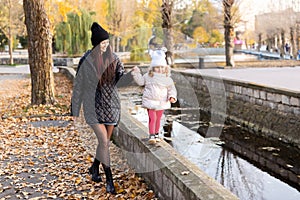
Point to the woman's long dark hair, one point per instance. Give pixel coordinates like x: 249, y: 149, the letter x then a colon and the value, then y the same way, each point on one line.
x: 105, y: 64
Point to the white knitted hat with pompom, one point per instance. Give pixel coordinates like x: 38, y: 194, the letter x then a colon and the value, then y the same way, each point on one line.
x: 158, y: 58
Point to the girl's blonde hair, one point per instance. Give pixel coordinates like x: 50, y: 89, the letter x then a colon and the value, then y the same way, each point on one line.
x: 167, y: 71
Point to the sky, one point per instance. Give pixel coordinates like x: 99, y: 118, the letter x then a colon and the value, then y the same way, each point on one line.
x: 250, y: 8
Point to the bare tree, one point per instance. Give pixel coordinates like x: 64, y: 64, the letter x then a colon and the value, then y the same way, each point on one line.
x: 282, y: 24
x: 229, y: 31
x: 39, y: 52
x: 167, y: 8
x: 282, y: 44
x: 293, y: 42
x: 297, y: 38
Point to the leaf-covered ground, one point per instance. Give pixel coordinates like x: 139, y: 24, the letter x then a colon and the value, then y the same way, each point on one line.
x: 45, y: 154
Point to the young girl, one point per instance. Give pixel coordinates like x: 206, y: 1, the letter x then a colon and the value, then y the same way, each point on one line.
x: 159, y: 91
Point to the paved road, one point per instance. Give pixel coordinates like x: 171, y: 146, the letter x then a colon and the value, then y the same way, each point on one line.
x: 284, y: 78
x: 20, y: 69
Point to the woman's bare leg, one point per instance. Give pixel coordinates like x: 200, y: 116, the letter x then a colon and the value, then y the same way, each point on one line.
x: 110, y: 129
x: 102, y: 152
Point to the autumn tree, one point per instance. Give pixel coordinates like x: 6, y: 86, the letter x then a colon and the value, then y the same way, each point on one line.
x: 196, y: 20
x: 200, y: 35
x: 114, y: 21
x: 3, y: 40
x: 144, y: 21
x: 63, y: 41
x: 127, y: 27
x: 57, y: 11
x: 11, y: 22
x: 72, y: 36
x: 39, y: 52
x: 216, y: 37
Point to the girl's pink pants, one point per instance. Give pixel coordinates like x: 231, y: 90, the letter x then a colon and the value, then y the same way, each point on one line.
x: 154, y: 120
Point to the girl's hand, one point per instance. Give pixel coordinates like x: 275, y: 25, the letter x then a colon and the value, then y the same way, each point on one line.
x: 172, y: 100
x: 135, y: 69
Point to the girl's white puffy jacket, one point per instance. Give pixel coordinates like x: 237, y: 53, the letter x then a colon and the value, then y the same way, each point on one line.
x: 157, y: 91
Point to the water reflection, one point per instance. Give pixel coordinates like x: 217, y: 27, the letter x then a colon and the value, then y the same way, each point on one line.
x: 235, y: 173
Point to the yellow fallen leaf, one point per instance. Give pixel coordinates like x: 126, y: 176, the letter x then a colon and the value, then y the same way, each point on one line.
x: 89, y: 158
x: 120, y: 190
x: 78, y: 181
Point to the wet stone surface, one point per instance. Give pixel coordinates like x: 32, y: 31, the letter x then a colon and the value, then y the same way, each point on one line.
x: 278, y: 158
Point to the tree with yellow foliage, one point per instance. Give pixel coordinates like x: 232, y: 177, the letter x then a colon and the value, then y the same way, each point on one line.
x: 200, y: 35
x: 11, y: 22
x: 216, y: 37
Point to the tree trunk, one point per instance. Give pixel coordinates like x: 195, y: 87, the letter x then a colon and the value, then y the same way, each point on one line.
x: 228, y: 32
x: 39, y: 52
x: 167, y: 7
x: 275, y: 42
x: 118, y: 44
x: 10, y: 49
x: 282, y: 51
x: 278, y: 43
x: 112, y: 42
x: 269, y: 43
x: 10, y: 36
x: 297, y: 38
x: 259, y: 41
x: 293, y: 43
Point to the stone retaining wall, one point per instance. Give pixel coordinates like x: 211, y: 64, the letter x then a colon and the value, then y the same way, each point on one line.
x: 56, y: 61
x: 265, y: 111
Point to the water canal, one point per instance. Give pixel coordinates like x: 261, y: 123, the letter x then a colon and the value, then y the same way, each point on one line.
x: 225, y: 158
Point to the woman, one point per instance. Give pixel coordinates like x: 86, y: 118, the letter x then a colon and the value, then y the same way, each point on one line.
x: 95, y: 87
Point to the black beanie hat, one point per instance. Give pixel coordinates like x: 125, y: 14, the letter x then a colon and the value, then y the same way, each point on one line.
x: 98, y: 34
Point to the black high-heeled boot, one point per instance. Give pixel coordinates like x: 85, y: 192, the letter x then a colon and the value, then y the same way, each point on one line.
x: 94, y: 170
x: 110, y: 188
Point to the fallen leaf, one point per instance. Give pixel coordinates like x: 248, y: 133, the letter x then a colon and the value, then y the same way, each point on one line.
x: 55, y: 159
x: 185, y: 173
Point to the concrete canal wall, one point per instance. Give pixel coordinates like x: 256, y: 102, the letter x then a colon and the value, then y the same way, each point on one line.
x: 262, y: 110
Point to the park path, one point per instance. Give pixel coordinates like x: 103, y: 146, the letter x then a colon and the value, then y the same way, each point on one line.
x: 283, y: 78
x: 45, y: 154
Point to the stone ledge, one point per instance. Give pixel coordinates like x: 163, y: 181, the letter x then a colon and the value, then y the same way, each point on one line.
x: 68, y: 71
x: 57, y: 61
x: 162, y: 167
